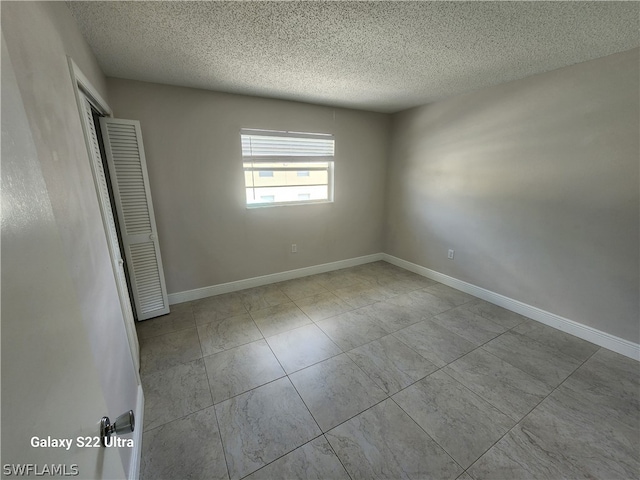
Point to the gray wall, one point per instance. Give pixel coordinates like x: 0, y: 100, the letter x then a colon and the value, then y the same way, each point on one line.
x: 207, y: 235
x: 38, y: 37
x: 535, y: 184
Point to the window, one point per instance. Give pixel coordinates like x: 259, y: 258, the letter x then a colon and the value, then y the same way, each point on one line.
x: 282, y: 168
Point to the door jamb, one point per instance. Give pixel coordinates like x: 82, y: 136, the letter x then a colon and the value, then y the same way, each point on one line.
x: 82, y: 86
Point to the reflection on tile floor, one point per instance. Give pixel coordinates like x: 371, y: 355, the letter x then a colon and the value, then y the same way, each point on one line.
x: 375, y: 372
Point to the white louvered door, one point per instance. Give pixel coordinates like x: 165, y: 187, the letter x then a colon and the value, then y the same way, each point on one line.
x: 110, y: 229
x: 130, y: 184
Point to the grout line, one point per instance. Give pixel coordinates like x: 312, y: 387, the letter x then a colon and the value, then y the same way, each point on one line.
x: 283, y: 455
x: 420, y: 427
x: 277, y: 360
x: 224, y: 450
x: 255, y: 325
x: 475, y: 394
x: 286, y: 374
x: 215, y: 413
x: 351, y: 309
x: 316, y: 363
x: 387, y: 396
x: 305, y: 405
x: 367, y: 375
x: 250, y: 390
x: 146, y: 339
x: 337, y: 456
x: 471, y: 391
x: 153, y: 321
x: 536, y: 406
x: 561, y: 353
x: 176, y: 419
x: 235, y: 346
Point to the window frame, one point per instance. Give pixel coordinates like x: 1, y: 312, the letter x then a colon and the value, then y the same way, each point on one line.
x: 259, y: 162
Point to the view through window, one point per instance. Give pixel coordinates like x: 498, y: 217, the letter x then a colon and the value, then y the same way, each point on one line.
x: 283, y: 167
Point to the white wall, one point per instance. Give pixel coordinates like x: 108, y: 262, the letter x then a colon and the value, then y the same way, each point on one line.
x: 207, y: 235
x: 38, y: 37
x: 50, y: 384
x: 535, y: 184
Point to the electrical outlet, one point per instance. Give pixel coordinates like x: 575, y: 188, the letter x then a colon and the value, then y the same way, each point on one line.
x: 450, y: 255
x: 294, y: 248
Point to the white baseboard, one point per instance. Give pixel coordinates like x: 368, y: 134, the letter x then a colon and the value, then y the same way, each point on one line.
x: 603, y: 339
x: 204, y: 292
x: 606, y: 340
x: 136, y: 454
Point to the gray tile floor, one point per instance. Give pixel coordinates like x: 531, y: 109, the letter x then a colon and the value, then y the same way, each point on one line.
x: 375, y: 372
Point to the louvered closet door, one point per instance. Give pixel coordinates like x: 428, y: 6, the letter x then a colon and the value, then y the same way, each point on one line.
x: 128, y: 172
x: 110, y: 228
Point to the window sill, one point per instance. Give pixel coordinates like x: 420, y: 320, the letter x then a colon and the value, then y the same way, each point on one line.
x: 286, y: 204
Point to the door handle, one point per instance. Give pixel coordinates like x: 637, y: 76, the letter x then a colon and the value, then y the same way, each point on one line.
x: 152, y: 237
x: 125, y: 423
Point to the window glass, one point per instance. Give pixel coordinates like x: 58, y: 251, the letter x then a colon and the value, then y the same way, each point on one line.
x: 287, y: 167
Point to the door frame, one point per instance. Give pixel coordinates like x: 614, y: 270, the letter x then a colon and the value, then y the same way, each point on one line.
x: 82, y: 87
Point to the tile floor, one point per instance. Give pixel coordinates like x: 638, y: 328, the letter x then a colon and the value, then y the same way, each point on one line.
x: 375, y: 372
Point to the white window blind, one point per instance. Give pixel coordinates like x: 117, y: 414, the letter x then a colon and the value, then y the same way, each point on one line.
x: 273, y: 161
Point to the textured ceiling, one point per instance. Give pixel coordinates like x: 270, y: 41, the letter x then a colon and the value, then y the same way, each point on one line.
x: 380, y: 56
